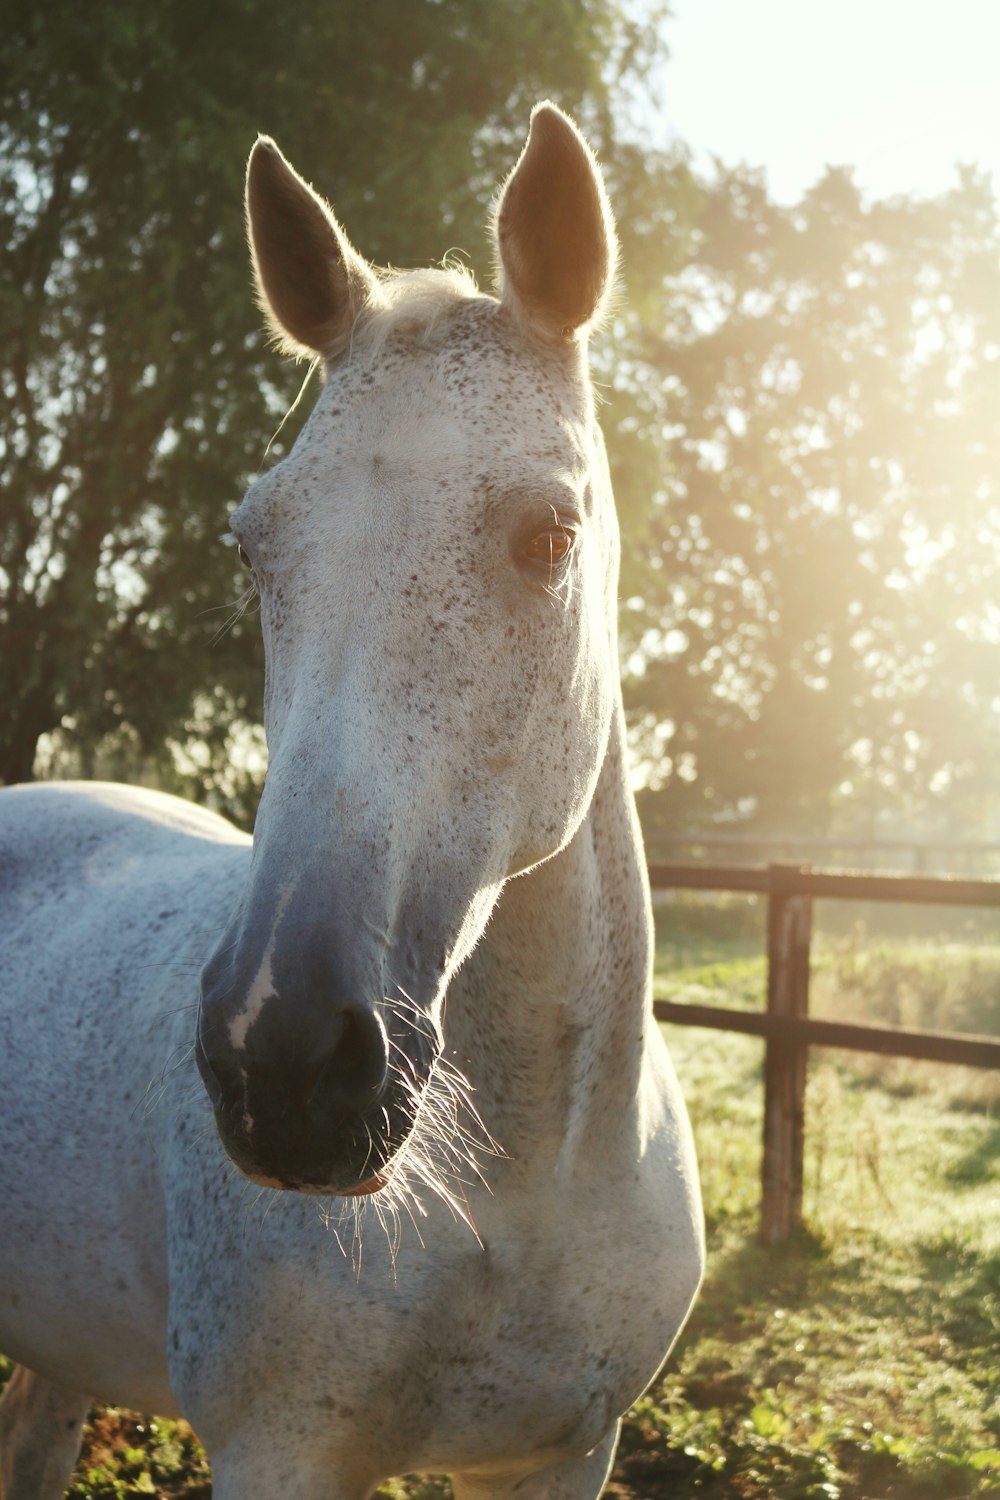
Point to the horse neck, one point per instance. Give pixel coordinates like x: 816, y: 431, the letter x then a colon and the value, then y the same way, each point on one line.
x: 548, y: 1017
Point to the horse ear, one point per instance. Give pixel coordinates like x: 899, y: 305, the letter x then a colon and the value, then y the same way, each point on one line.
x: 555, y: 232
x: 311, y: 282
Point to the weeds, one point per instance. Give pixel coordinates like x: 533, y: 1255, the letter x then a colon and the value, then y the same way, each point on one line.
x: 862, y: 1362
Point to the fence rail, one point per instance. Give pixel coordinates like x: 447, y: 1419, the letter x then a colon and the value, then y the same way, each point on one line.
x: 966, y: 1048
x: 870, y: 853
x: 786, y: 1026
x: 803, y: 880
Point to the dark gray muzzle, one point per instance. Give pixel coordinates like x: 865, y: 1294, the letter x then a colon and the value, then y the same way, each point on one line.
x: 315, y: 1085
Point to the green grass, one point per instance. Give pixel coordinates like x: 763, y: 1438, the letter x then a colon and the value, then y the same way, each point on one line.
x: 862, y: 1361
x: 858, y: 1363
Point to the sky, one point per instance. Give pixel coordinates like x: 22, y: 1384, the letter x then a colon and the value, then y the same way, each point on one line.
x: 901, y: 89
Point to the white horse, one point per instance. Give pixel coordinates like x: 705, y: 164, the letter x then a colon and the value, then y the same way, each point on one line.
x: 446, y: 822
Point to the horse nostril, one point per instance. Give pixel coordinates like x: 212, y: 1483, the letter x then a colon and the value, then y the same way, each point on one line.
x: 356, y: 1067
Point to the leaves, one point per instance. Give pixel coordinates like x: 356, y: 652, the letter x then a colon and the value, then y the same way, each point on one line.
x: 800, y: 402
x: 138, y: 391
x: 812, y: 585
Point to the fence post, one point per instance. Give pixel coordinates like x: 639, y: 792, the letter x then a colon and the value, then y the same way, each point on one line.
x: 789, y: 929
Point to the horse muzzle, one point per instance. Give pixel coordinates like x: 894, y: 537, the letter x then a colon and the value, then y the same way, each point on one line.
x: 320, y: 1102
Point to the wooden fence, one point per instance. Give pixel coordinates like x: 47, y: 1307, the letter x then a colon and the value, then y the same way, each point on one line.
x: 787, y: 1027
x: 923, y: 856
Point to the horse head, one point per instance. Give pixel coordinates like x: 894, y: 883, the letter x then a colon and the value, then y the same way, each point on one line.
x: 436, y: 562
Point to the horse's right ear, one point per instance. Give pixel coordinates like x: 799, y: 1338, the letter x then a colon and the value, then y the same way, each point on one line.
x: 311, y: 282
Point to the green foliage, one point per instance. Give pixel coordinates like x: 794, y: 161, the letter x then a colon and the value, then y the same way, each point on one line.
x: 799, y: 402
x: 861, y: 1361
x: 694, y: 929
x: 950, y: 988
x: 813, y: 586
x: 126, y: 1456
x: 138, y: 392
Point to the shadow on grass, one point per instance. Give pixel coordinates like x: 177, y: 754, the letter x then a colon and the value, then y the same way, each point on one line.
x: 799, y: 1376
x: 979, y: 1165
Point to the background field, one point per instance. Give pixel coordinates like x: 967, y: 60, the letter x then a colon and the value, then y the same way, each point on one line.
x: 862, y: 1362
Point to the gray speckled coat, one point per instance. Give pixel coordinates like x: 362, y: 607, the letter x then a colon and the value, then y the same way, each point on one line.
x: 446, y: 882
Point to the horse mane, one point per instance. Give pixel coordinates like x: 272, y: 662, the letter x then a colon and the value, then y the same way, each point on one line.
x: 408, y: 304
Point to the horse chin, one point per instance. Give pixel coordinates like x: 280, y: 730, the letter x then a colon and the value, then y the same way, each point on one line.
x: 349, y: 1173
x: 333, y: 1189
x: 373, y: 1185
x: 365, y: 1190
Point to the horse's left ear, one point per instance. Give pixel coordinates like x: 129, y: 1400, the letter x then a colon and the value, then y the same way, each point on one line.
x: 555, y: 234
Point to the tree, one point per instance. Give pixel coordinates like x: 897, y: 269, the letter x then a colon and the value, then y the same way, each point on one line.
x: 799, y: 415
x: 814, y: 590
x: 138, y: 391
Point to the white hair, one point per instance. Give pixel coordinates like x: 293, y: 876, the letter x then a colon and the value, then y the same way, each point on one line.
x: 409, y: 302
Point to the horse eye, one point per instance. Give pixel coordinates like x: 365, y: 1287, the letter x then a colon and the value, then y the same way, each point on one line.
x: 244, y: 556
x: 549, y: 548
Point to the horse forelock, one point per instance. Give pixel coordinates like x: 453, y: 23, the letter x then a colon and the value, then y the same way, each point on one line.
x: 407, y: 302
x: 421, y: 308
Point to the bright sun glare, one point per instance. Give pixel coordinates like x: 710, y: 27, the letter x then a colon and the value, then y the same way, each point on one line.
x: 900, y: 91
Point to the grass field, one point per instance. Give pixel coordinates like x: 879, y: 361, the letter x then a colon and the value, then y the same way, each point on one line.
x: 863, y: 1361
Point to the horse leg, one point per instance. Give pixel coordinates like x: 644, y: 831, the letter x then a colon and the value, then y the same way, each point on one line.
x: 41, y: 1428
x: 576, y: 1479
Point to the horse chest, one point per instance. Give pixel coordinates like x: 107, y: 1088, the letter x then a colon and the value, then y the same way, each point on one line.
x: 529, y: 1348
x: 459, y: 1362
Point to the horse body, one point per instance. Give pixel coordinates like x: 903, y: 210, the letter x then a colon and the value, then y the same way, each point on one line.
x: 107, y: 910
x: 428, y: 1010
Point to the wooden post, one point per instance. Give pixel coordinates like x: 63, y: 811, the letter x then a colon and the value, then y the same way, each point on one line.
x: 789, y: 930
